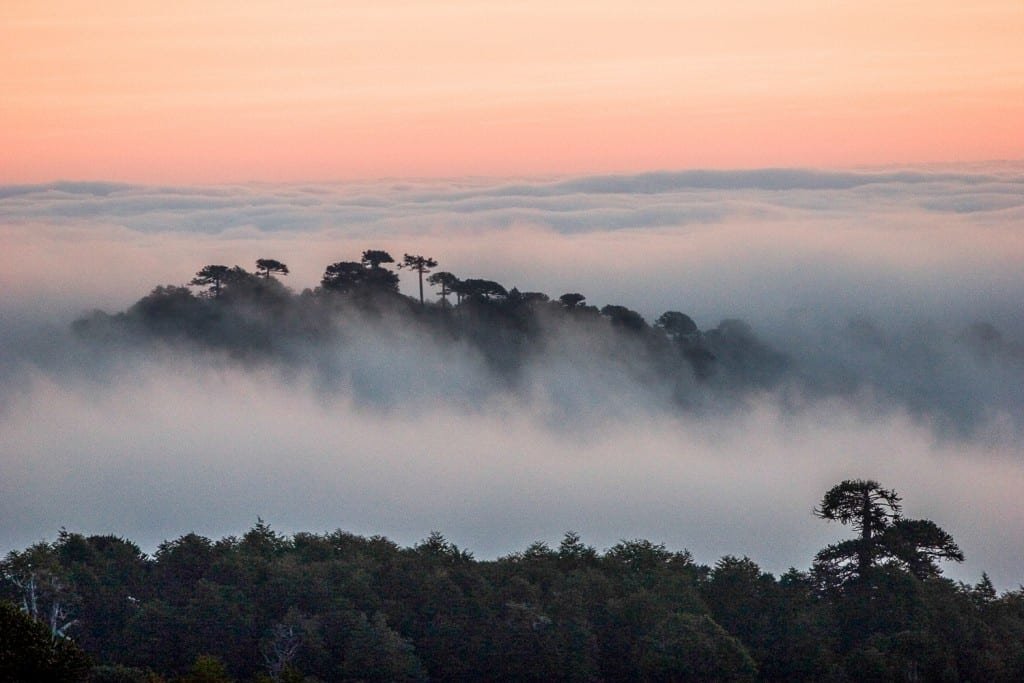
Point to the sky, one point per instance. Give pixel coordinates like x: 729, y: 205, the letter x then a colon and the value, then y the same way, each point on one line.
x: 213, y: 92
x: 869, y: 282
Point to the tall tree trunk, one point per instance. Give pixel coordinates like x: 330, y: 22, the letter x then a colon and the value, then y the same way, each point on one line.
x: 864, y: 552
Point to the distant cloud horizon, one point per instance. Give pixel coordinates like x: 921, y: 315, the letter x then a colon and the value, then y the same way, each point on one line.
x: 886, y: 223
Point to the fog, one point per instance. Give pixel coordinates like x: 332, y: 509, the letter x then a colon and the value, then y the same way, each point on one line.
x: 867, y: 283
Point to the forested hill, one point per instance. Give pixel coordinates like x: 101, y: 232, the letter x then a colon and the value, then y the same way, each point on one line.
x: 253, y: 316
x: 339, y: 607
x: 489, y: 338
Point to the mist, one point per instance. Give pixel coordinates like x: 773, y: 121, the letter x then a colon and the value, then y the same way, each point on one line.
x: 891, y: 300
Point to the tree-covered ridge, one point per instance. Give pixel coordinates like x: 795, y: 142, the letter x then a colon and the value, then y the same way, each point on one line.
x: 254, y: 316
x: 519, y: 335
x: 340, y: 607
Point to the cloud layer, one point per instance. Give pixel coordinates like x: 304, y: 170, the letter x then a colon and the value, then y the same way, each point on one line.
x: 717, y: 243
x: 868, y: 283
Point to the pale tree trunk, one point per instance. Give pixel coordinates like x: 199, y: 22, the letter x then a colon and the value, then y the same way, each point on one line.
x: 56, y: 616
x: 279, y: 652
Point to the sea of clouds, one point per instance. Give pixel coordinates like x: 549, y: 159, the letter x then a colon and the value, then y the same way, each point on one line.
x: 869, y: 282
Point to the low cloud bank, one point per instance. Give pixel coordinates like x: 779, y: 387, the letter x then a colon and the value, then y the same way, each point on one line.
x: 164, y: 447
x: 755, y: 244
x: 891, y: 300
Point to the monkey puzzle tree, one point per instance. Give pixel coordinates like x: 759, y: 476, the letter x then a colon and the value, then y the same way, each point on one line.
x: 477, y: 289
x: 420, y: 264
x: 365, y: 277
x: 213, y: 277
x: 446, y: 281
x: 350, y: 276
x: 266, y: 266
x: 343, y: 276
x: 918, y: 544
x: 572, y: 299
x: 866, y: 506
x: 374, y: 257
x: 884, y: 537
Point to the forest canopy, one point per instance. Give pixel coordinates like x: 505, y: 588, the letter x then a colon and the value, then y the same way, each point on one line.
x: 337, y: 606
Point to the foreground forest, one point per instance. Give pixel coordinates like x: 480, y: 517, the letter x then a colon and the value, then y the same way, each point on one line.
x: 340, y: 607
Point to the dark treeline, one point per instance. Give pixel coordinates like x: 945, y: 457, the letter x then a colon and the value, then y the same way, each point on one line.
x: 340, y: 607
x: 254, y: 315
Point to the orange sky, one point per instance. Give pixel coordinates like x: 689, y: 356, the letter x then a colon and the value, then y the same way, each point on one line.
x: 210, y: 91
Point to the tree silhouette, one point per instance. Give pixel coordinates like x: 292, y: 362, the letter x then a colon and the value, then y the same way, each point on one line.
x: 344, y: 276
x: 268, y: 265
x: 480, y: 290
x: 884, y: 537
x: 866, y: 506
x: 624, y: 317
x: 446, y: 281
x: 374, y: 257
x: 365, y: 276
x: 350, y: 276
x: 420, y: 264
x: 572, y: 299
x: 918, y: 544
x: 213, y: 277
x: 165, y: 303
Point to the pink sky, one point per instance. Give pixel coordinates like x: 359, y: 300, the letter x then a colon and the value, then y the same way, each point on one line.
x: 214, y: 91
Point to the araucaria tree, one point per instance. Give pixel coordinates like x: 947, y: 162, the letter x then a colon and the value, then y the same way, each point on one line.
x: 476, y: 289
x: 213, y: 277
x: 446, y: 281
x: 353, y: 277
x: 374, y: 257
x: 884, y: 537
x: 572, y: 299
x: 420, y: 264
x: 266, y: 266
x: 344, y: 276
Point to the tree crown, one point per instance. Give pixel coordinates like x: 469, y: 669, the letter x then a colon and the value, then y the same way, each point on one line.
x: 375, y: 257
x: 420, y: 264
x: 269, y: 265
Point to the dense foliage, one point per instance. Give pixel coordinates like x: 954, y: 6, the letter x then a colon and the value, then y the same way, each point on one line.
x: 29, y: 652
x: 254, y: 317
x: 342, y: 607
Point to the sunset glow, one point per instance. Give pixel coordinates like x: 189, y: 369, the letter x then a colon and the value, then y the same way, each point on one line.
x: 212, y: 92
